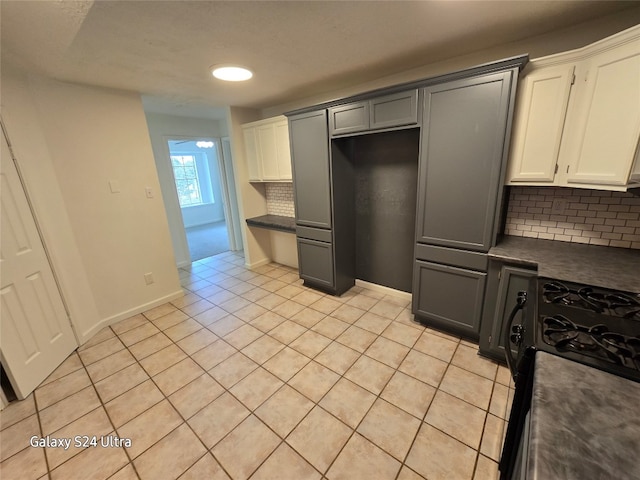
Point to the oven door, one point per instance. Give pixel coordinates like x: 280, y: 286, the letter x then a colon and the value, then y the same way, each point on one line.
x: 519, y: 335
x: 513, y: 459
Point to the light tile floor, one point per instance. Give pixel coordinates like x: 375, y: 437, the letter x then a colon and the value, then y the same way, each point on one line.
x: 252, y: 375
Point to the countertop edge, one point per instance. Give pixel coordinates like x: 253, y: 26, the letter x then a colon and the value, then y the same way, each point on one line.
x: 273, y: 222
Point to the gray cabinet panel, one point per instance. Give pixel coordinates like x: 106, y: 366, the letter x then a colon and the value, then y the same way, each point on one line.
x: 503, y: 287
x: 316, y: 262
x: 394, y: 110
x: 464, y: 128
x: 350, y: 118
x: 311, y: 179
x: 449, y: 297
x: 451, y: 256
x: 314, y: 234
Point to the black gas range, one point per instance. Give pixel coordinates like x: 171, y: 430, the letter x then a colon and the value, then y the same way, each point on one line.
x: 595, y: 326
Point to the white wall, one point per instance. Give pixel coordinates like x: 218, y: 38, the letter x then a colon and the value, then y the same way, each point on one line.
x: 73, y: 140
x: 550, y: 43
x: 161, y: 128
x: 252, y: 201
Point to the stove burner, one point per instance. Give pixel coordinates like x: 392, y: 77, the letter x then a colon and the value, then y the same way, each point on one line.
x: 612, y: 303
x: 555, y: 292
x: 608, y: 300
x: 563, y: 333
x: 598, y: 341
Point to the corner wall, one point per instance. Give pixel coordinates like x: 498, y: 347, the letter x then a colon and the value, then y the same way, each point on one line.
x: 160, y: 128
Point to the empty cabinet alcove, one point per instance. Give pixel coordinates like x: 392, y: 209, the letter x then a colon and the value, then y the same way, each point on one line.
x: 375, y: 187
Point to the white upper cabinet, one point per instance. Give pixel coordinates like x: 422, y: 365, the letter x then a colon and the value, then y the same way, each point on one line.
x: 267, y: 150
x: 605, y: 123
x: 577, y: 119
x: 541, y: 108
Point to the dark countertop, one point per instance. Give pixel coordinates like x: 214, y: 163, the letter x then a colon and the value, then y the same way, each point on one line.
x: 584, y: 423
x: 274, y: 222
x: 609, y: 267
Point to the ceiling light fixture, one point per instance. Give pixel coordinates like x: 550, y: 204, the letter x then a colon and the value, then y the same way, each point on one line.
x: 231, y: 73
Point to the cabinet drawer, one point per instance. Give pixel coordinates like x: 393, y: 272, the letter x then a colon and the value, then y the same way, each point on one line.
x: 451, y: 256
x: 394, y: 110
x: 450, y: 298
x: 350, y: 118
x: 311, y: 233
x: 315, y: 262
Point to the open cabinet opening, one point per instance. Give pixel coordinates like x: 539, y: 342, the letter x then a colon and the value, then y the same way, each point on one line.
x: 375, y: 177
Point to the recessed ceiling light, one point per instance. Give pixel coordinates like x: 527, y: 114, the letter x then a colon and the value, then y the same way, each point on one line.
x: 231, y: 73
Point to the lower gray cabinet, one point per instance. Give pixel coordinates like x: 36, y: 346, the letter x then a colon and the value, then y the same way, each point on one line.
x: 505, y: 281
x: 315, y: 261
x: 449, y: 297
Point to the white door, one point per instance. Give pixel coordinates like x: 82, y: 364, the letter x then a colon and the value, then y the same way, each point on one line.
x: 35, y: 334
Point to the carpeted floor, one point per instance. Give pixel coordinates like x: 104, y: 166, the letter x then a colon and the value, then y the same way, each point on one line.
x: 207, y: 240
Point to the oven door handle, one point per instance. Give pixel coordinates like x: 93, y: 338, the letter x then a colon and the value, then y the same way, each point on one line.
x: 516, y: 336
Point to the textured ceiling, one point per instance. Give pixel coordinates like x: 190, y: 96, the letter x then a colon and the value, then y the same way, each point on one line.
x: 163, y: 49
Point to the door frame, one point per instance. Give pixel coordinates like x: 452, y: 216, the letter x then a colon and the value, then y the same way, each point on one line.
x: 223, y: 174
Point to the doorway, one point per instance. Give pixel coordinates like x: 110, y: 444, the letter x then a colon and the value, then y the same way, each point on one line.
x: 200, y: 181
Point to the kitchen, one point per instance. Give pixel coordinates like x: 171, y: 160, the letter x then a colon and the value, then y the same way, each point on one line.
x: 255, y: 243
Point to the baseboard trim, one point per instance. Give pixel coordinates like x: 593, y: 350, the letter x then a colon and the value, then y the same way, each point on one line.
x: 257, y: 264
x: 382, y: 289
x: 183, y: 264
x: 128, y: 313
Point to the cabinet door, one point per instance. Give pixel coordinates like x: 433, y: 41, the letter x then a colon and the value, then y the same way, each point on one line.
x: 604, y: 126
x: 315, y: 262
x: 350, y: 118
x: 394, y: 110
x: 311, y: 180
x: 251, y: 153
x: 450, y: 297
x: 512, y: 281
x: 283, y: 155
x: 266, y: 142
x: 463, y: 137
x: 540, y: 113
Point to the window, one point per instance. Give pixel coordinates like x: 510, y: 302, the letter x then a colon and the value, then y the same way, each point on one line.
x: 187, y: 183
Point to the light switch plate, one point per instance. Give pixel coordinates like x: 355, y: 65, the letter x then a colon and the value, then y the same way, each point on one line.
x: 114, y: 186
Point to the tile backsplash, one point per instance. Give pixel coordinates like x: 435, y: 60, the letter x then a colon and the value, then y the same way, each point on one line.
x: 280, y: 199
x: 596, y: 217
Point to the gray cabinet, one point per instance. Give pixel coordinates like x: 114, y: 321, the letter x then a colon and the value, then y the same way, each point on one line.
x: 505, y: 281
x: 465, y: 128
x: 388, y: 111
x: 461, y: 168
x: 315, y: 259
x: 449, y: 297
x: 394, y: 110
x: 311, y: 175
x: 350, y: 118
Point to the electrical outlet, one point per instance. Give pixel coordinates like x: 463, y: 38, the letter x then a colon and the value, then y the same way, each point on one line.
x: 148, y: 278
x: 559, y: 205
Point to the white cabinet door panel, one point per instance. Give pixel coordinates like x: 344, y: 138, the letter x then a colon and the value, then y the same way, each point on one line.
x: 251, y: 152
x: 608, y: 121
x: 266, y: 136
x: 541, y: 111
x: 283, y: 149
